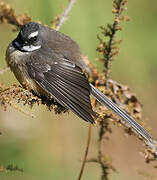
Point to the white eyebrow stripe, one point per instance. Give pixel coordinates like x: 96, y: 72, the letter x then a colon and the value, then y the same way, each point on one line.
x: 33, y: 34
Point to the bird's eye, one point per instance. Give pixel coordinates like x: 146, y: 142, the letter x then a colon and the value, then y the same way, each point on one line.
x: 34, y: 38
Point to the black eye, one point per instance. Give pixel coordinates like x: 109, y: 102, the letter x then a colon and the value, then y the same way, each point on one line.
x: 34, y: 38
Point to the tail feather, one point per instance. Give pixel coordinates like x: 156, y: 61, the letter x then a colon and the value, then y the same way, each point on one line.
x: 123, y: 114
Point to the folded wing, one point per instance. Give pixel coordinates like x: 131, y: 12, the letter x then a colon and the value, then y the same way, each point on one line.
x: 66, y: 83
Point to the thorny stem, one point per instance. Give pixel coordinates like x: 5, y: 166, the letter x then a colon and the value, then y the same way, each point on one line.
x: 65, y: 14
x: 109, y: 52
x: 86, y: 152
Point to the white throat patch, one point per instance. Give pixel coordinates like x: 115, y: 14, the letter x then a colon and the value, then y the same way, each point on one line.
x: 30, y: 48
x: 33, y: 34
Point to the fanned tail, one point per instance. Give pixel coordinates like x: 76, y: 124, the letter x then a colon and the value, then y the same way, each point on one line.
x: 124, y: 115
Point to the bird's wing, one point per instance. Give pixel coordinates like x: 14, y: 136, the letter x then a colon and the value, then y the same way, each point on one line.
x: 66, y: 83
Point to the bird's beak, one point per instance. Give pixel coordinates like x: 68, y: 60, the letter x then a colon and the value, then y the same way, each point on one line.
x: 17, y: 44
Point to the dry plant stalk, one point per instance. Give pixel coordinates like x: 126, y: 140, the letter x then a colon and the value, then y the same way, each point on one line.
x: 86, y: 152
x: 59, y: 21
x: 119, y: 93
x: 10, y: 168
x: 7, y: 15
x: 108, y: 48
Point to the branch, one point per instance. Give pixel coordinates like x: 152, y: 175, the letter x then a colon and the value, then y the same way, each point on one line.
x: 105, y: 165
x: 118, y: 93
x: 58, y: 22
x: 108, y: 48
x: 7, y: 15
x: 10, y: 168
x: 118, y: 11
x: 86, y: 152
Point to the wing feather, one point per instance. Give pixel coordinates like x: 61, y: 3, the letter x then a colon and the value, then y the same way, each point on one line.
x: 66, y: 83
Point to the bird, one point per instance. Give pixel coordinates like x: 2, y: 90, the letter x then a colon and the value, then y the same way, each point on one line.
x: 50, y: 63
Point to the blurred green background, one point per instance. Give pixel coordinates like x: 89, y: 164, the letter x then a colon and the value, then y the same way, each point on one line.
x: 52, y: 147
